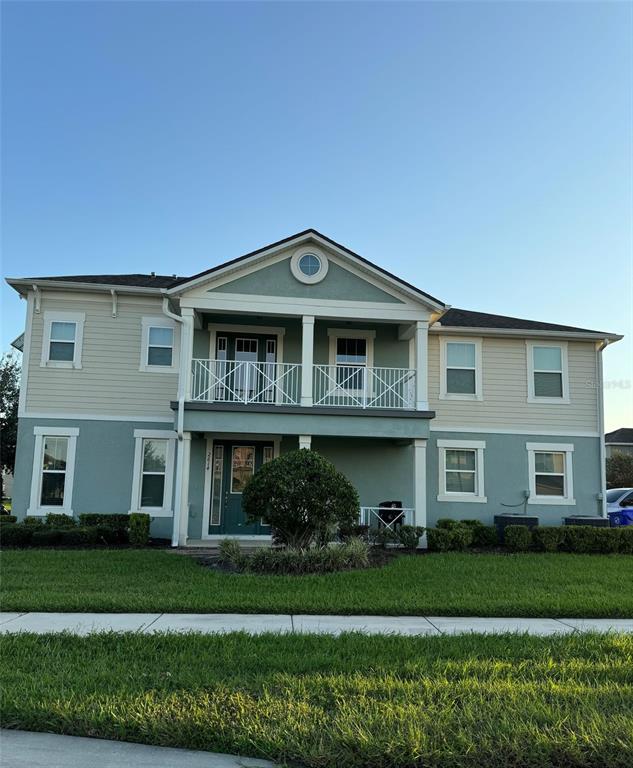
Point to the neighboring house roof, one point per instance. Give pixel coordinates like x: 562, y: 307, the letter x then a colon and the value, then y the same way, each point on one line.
x: 135, y: 280
x: 464, y: 318
x: 620, y: 436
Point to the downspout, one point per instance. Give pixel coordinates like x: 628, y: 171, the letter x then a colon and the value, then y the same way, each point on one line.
x: 603, y: 463
x: 175, y: 534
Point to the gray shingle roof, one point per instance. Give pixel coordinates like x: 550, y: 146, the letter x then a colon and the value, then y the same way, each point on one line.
x: 135, y: 280
x: 464, y: 318
x: 622, y: 435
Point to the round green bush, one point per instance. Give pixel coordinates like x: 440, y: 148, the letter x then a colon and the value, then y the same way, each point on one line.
x: 439, y: 539
x: 303, y: 497
x: 517, y: 538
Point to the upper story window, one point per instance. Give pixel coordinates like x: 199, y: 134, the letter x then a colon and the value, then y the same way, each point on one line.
x: 351, y: 353
x: 62, y: 339
x: 550, y: 473
x: 159, y: 346
x: 547, y: 373
x: 461, y: 370
x: 309, y: 265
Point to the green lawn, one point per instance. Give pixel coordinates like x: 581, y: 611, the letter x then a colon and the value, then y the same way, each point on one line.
x: 353, y: 701
x: 437, y: 584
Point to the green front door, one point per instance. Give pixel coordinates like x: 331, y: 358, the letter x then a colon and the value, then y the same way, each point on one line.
x: 234, y: 463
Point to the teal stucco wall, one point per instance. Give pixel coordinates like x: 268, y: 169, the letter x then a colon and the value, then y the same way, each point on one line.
x: 104, y: 465
x: 506, y: 478
x: 277, y: 280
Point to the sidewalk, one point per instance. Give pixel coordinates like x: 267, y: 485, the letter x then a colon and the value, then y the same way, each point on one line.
x: 23, y: 749
x: 256, y: 623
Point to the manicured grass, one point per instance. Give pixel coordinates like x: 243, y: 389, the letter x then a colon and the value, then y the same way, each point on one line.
x: 353, y: 701
x: 436, y: 584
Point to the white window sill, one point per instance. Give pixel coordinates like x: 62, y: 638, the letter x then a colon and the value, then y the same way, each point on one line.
x: 60, y: 364
x: 548, y: 400
x: 158, y: 369
x: 549, y: 500
x: 152, y: 512
x: 460, y: 396
x: 462, y: 497
x: 43, y: 511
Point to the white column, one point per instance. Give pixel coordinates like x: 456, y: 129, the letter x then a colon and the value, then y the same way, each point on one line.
x: 421, y: 365
x: 182, y: 502
x: 186, y: 350
x: 419, y: 486
x: 307, y: 360
x: 305, y: 441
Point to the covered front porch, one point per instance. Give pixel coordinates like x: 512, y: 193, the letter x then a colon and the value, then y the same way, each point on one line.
x: 221, y: 463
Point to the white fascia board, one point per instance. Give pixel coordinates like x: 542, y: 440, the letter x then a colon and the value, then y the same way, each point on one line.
x: 23, y: 286
x: 524, y: 333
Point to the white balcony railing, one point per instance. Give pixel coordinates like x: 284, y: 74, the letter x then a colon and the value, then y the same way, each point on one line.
x: 355, y: 386
x: 389, y: 517
x: 238, y: 381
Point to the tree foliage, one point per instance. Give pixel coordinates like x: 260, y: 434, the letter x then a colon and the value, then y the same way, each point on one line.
x: 620, y: 470
x: 303, y: 497
x: 9, y: 395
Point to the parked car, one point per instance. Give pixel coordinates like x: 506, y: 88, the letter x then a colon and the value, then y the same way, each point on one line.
x: 618, y: 499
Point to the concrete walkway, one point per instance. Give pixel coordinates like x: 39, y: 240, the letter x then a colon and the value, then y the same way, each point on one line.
x: 23, y: 749
x: 256, y: 623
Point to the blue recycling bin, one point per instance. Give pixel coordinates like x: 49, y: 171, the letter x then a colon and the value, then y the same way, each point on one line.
x: 621, y: 517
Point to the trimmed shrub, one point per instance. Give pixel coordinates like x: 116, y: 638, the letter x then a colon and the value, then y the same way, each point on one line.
x: 139, y: 529
x: 107, y: 535
x: 231, y: 552
x: 46, y: 536
x: 4, y: 519
x: 16, y: 535
x: 439, y: 539
x: 605, y: 542
x: 293, y: 561
x: 472, y: 523
x: 119, y: 522
x: 518, y: 538
x: 485, y: 536
x: 461, y: 537
x: 625, y: 539
x: 71, y: 537
x: 381, y: 536
x: 580, y: 538
x: 55, y: 520
x: 34, y: 522
x: 303, y: 497
x: 409, y: 535
x: 548, y: 538
x: 446, y: 523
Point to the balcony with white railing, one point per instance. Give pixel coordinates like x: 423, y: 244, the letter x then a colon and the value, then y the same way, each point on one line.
x: 240, y: 381
x: 352, y: 386
x: 345, y: 386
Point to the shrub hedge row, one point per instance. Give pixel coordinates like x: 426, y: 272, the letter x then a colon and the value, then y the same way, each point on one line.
x: 461, y: 534
x: 58, y: 530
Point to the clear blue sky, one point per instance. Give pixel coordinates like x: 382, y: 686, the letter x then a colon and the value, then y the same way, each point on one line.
x: 482, y: 151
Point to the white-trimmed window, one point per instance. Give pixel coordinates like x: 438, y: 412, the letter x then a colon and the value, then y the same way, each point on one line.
x: 550, y: 473
x: 53, y: 470
x: 460, y: 369
x: 351, y: 352
x: 152, y: 481
x: 309, y: 265
x: 159, y: 345
x: 62, y: 339
x: 548, y: 380
x: 461, y: 466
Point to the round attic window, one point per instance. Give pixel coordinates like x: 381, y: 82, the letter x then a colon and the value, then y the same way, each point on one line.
x: 309, y: 265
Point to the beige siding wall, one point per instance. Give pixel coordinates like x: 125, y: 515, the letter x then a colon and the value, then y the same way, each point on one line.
x: 504, y: 403
x: 109, y: 382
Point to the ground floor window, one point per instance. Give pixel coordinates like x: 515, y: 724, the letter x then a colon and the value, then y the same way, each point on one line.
x: 153, y: 472
x: 53, y: 470
x: 461, y: 470
x: 550, y: 473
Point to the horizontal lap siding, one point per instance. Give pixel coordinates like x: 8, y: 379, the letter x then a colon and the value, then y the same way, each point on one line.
x: 505, y: 391
x: 109, y: 382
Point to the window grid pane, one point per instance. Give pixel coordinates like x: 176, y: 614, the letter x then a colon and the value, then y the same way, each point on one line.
x: 62, y: 350
x: 460, y: 355
x: 161, y: 337
x: 159, y: 356
x: 62, y: 331
x: 460, y: 381
x: 547, y: 359
x: 548, y: 384
x: 216, y: 489
x: 154, y: 455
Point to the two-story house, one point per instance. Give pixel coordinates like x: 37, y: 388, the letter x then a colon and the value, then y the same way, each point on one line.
x: 165, y: 394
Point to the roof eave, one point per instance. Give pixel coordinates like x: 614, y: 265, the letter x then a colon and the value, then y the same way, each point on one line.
x: 23, y: 285
x: 526, y: 332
